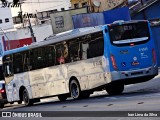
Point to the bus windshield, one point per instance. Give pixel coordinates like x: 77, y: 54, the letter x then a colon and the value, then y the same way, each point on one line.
x: 125, y: 34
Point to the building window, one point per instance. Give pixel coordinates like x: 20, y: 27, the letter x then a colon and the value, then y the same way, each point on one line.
x: 84, y: 4
x: 76, y: 6
x: 16, y: 20
x: 0, y: 21
x: 7, y: 20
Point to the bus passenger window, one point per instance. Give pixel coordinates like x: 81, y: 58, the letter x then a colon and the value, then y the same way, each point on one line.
x: 84, y: 51
x: 61, y: 53
x: 8, y: 69
x: 18, y: 63
x: 26, y: 61
x: 50, y: 55
x: 74, y: 51
x: 96, y: 45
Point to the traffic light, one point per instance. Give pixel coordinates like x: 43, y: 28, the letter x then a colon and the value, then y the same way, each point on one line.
x: 15, y: 1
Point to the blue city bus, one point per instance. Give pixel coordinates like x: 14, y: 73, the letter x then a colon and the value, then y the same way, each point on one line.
x: 132, y: 52
x: 78, y: 62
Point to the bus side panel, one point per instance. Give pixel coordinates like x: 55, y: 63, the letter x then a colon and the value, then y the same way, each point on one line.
x: 90, y: 73
x: 21, y: 79
x: 48, y: 81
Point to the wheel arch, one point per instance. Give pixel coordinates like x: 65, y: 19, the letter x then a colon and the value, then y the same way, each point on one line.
x: 74, y: 78
x: 22, y: 88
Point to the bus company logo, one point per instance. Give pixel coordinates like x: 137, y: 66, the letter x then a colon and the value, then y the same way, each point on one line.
x: 21, y: 115
x: 135, y: 58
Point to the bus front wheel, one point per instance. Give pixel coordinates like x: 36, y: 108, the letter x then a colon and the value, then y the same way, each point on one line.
x: 75, y: 89
x: 114, y: 88
x: 26, y: 99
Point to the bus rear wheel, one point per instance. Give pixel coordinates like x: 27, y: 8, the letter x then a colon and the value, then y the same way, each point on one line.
x: 27, y: 101
x: 75, y: 89
x: 114, y: 88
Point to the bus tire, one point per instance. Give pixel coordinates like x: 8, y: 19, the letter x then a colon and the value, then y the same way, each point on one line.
x: 114, y: 89
x: 75, y: 89
x: 62, y: 97
x: 27, y: 101
x: 1, y: 105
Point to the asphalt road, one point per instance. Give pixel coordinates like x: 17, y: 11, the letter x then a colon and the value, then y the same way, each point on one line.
x: 142, y: 97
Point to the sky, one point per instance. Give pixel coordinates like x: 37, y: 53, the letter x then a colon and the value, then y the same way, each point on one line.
x: 32, y: 6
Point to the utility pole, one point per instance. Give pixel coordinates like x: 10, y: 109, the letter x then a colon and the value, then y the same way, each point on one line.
x: 31, y: 30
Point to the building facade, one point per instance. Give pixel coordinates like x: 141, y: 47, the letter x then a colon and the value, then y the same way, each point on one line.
x: 38, y: 10
x: 12, y: 37
x: 6, y: 21
x: 98, y: 5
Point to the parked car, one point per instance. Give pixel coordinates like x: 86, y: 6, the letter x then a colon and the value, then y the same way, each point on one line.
x: 3, y: 96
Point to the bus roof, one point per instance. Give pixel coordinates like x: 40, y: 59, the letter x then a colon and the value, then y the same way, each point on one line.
x: 57, y: 38
x: 67, y: 35
x: 16, y: 50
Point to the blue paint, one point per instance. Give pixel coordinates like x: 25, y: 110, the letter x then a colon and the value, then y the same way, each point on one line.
x: 106, y: 17
x: 16, y: 50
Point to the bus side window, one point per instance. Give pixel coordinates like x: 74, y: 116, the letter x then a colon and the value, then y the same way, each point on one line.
x: 8, y: 69
x: 61, y: 53
x: 74, y: 50
x: 17, y: 63
x: 85, y: 46
x: 26, y: 63
x: 50, y: 55
x: 8, y: 66
x: 39, y: 58
x: 32, y: 60
x: 96, y: 45
x: 84, y: 50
